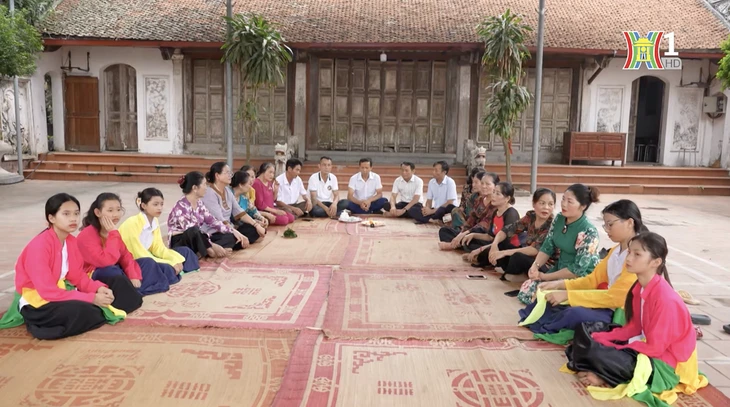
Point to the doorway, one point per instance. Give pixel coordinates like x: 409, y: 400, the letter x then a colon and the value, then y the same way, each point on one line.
x: 645, y: 128
x: 120, y: 107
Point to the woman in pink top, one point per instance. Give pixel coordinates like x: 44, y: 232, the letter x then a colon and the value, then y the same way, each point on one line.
x: 265, y: 195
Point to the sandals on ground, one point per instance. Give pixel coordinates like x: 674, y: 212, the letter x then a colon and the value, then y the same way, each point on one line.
x: 687, y: 297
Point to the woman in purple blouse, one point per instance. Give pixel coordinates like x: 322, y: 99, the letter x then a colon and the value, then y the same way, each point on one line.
x: 189, y: 215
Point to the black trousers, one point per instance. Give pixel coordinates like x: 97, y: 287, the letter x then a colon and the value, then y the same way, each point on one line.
x: 62, y: 319
x: 518, y: 263
x: 228, y: 241
x: 447, y: 234
x: 438, y: 215
x: 612, y: 365
x: 193, y: 239
x: 400, y: 205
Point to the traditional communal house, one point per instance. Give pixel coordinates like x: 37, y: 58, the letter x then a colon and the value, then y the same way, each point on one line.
x: 393, y: 80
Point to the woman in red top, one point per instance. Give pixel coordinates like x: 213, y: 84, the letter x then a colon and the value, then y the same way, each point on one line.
x: 265, y: 188
x: 658, y: 324
x: 104, y: 251
x: 504, y: 215
x: 51, y: 311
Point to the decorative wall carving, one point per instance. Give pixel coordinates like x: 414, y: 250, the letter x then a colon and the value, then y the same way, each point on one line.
x: 687, y: 119
x: 156, y: 93
x: 7, y: 116
x: 609, y: 107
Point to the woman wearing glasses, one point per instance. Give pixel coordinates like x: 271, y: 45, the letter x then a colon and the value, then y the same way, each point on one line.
x: 571, y: 233
x: 593, y: 298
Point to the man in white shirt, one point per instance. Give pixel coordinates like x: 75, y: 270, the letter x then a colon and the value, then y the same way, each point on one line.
x: 291, y: 188
x: 324, y: 190
x: 364, y: 192
x: 440, y: 197
x: 407, y: 193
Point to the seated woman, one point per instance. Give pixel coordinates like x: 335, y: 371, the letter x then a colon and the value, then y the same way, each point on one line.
x: 103, y: 249
x: 190, y: 224
x: 656, y: 351
x: 241, y: 184
x: 265, y: 188
x: 594, y: 297
x: 535, y: 224
x: 469, y: 197
x: 504, y: 215
x: 574, y: 235
x: 55, y: 297
x: 161, y: 267
x: 250, y: 196
x: 223, y: 206
x: 479, y: 221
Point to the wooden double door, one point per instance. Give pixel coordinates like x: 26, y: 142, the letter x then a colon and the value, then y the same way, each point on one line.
x: 368, y: 105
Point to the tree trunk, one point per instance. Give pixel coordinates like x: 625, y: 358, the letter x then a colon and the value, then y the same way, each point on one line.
x: 507, y: 159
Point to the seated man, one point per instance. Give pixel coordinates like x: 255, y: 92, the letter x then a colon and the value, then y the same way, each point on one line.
x: 440, y: 197
x: 364, y: 192
x: 407, y: 193
x: 291, y: 188
x: 324, y: 190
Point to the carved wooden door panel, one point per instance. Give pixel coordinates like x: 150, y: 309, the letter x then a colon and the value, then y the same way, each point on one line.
x: 208, y: 102
x: 271, y: 110
x: 120, y: 100
x: 373, y: 106
x: 81, y: 105
x: 554, y: 113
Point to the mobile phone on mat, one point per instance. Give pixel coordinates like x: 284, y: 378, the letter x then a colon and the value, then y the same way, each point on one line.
x: 476, y: 277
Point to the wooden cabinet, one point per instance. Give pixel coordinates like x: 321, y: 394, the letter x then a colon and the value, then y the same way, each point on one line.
x: 594, y: 146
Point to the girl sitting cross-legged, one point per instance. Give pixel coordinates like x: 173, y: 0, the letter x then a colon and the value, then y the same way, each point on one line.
x: 592, y: 298
x: 55, y: 297
x: 190, y: 224
x: 104, y: 251
x: 161, y: 267
x: 656, y: 351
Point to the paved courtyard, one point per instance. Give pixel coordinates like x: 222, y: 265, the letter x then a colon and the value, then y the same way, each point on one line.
x: 695, y: 227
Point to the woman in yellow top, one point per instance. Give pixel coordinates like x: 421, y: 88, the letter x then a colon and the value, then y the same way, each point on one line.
x: 141, y: 234
x: 594, y: 297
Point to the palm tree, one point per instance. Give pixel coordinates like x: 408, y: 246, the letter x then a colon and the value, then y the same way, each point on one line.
x: 505, y: 51
x: 257, y: 48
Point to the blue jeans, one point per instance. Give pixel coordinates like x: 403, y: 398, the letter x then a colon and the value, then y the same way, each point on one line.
x: 375, y: 207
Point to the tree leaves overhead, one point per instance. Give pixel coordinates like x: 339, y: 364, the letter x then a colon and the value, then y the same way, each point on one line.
x: 19, y: 43
x: 723, y: 70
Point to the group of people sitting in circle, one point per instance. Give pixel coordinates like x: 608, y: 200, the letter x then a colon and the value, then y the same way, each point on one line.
x: 614, y: 310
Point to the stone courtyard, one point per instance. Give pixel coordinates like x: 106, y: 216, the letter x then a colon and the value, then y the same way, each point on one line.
x: 696, y: 229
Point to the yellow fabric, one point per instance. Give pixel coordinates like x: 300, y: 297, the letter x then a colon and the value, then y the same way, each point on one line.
x: 582, y: 291
x: 36, y: 301
x: 565, y: 369
x: 539, y: 309
x: 638, y: 383
x: 130, y: 230
x: 690, y: 380
x: 252, y: 196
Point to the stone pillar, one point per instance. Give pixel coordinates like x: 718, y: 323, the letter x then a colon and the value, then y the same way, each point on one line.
x: 177, y: 102
x: 462, y: 126
x: 300, y: 107
x: 725, y: 154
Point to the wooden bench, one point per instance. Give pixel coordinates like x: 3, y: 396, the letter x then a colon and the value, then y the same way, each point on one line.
x: 594, y: 146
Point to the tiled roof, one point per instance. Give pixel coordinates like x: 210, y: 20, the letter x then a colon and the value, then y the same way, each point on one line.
x: 582, y: 24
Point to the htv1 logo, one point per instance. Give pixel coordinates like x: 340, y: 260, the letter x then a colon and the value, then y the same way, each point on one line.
x: 645, y: 50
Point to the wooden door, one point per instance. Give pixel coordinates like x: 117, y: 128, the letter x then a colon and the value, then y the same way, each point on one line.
x: 633, y: 114
x: 554, y: 113
x: 271, y: 110
x: 396, y: 106
x: 81, y: 103
x: 120, y: 103
x: 208, y: 102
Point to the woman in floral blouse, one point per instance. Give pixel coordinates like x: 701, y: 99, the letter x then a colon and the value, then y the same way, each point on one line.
x: 469, y: 198
x: 189, y: 214
x: 535, y: 224
x: 571, y: 233
x: 479, y: 220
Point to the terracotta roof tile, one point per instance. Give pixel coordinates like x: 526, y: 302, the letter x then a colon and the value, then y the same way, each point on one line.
x: 586, y: 24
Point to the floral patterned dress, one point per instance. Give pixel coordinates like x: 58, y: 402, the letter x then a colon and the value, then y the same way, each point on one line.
x: 183, y: 217
x: 461, y: 214
x: 578, y: 247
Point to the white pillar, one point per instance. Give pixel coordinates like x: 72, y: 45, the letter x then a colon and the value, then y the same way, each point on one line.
x: 59, y: 128
x: 178, y: 141
x: 300, y: 107
x: 725, y: 155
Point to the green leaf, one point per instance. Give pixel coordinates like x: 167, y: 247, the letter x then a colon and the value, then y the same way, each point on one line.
x: 19, y: 44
